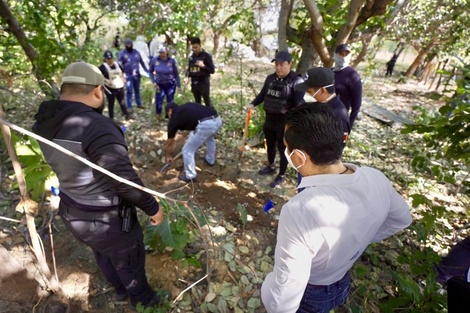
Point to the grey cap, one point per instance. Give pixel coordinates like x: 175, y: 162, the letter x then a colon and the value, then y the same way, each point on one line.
x: 317, y: 77
x: 82, y: 73
x: 127, y: 41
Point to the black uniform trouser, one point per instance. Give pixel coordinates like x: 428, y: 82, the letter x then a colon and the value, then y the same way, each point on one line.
x: 274, y: 133
x: 201, y: 89
x: 120, y: 255
x: 116, y: 94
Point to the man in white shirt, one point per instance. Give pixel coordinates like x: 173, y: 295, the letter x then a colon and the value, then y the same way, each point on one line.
x: 324, y: 229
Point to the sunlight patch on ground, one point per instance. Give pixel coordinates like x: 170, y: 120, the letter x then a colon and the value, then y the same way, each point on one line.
x: 76, y: 286
x: 224, y: 184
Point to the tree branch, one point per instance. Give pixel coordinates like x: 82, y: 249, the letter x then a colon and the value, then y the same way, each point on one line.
x: 372, y: 8
x: 316, y: 32
x: 351, y: 18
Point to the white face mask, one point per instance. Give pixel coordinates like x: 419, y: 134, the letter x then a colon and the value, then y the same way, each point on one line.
x: 288, y: 157
x: 341, y: 62
x: 311, y: 98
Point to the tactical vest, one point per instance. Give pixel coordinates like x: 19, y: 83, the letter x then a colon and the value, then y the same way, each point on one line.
x: 115, y: 76
x: 279, y: 91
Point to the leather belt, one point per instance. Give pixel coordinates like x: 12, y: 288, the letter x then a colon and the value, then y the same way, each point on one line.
x: 99, y: 215
x: 208, y: 118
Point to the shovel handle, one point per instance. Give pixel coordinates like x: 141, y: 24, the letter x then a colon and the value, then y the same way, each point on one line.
x: 245, y: 131
x: 168, y: 164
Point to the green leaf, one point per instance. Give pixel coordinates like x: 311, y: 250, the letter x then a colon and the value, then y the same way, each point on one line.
x: 243, y: 213
x: 409, y: 287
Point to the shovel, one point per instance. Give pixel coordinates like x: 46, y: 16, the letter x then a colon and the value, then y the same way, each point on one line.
x: 245, y: 131
x: 169, y: 164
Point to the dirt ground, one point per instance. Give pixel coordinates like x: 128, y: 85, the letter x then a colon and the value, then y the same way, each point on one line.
x: 220, y: 188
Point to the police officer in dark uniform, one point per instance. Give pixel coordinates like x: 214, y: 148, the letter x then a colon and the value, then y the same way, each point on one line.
x: 98, y: 210
x: 200, y: 68
x: 279, y: 96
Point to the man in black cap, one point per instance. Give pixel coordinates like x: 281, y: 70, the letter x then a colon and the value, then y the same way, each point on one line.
x: 98, y: 210
x: 130, y: 59
x: 114, y: 81
x: 200, y: 68
x: 279, y: 96
x: 319, y: 85
x: 347, y: 82
x: 203, y: 122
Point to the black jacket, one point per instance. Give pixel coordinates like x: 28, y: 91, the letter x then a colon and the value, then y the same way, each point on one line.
x: 82, y: 130
x: 200, y: 73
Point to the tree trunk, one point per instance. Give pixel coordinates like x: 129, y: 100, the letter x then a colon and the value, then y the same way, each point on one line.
x: 216, y: 41
x: 286, y: 8
x: 15, y: 29
x: 419, y: 59
x: 429, y: 66
x: 363, y: 53
x: 307, y: 56
x: 440, y: 76
x: 256, y: 46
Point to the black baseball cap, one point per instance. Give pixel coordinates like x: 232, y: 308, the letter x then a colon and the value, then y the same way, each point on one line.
x: 343, y: 47
x: 108, y: 55
x: 317, y: 77
x: 282, y: 56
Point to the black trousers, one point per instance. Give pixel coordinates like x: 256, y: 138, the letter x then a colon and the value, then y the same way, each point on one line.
x: 116, y: 94
x: 120, y: 255
x: 201, y: 89
x: 274, y: 133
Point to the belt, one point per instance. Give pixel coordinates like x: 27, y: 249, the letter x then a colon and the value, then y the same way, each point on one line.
x: 346, y: 276
x: 208, y: 118
x: 99, y: 215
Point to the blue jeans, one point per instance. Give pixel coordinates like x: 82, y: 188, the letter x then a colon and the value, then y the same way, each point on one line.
x: 322, y: 299
x: 165, y: 89
x: 133, y: 84
x: 204, y: 133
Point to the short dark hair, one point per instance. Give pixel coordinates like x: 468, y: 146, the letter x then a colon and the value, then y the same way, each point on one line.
x: 170, y: 106
x: 195, y: 40
x: 317, y: 130
x: 76, y: 89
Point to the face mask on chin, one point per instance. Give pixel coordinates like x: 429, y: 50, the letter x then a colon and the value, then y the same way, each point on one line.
x: 288, y: 157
